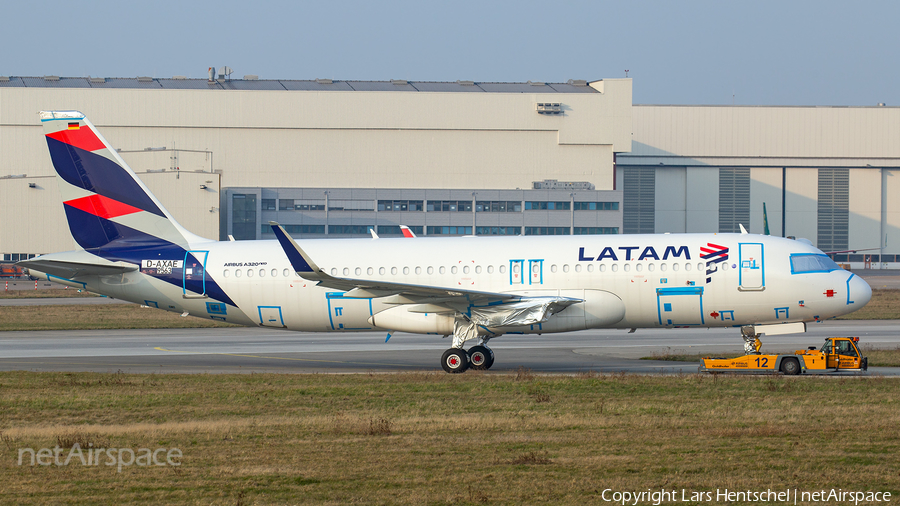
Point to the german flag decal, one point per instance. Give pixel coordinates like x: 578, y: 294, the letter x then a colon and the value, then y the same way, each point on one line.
x: 74, y: 126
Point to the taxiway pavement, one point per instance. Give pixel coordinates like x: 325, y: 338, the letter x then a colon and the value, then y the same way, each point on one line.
x: 246, y: 350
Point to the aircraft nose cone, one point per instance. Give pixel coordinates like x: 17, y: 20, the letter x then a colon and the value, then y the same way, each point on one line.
x: 859, y: 292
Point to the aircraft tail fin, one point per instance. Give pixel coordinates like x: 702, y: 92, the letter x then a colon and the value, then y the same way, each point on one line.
x: 106, y: 204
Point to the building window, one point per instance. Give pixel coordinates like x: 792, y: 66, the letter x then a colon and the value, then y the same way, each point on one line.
x: 268, y: 204
x: 297, y: 229
x: 547, y: 206
x: 596, y: 230
x: 498, y: 230
x: 498, y: 206
x: 395, y: 229
x: 309, y: 205
x: 400, y: 205
x: 243, y: 216
x: 285, y: 204
x: 450, y: 230
x: 596, y: 206
x: 734, y: 199
x: 639, y: 200
x: 350, y: 205
x: 350, y: 229
x: 834, y: 209
x: 546, y: 230
x: 449, y: 205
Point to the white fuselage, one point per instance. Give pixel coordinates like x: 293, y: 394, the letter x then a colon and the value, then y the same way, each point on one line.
x: 669, y: 280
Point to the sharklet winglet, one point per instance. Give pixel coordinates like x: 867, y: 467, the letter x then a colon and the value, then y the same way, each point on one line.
x: 301, y: 262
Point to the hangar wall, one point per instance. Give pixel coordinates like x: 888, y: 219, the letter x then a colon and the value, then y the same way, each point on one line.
x: 826, y: 173
x: 280, y: 134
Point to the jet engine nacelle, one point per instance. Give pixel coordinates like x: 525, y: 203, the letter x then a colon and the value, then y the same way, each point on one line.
x: 402, y: 320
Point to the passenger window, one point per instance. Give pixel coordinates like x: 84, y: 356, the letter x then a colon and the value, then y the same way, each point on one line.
x: 393, y: 271
x: 553, y: 268
x: 346, y: 271
x: 651, y: 267
x: 675, y: 267
x: 406, y: 271
x: 502, y: 269
x: 465, y: 269
x: 237, y: 273
x: 358, y: 271
x: 453, y: 270
x: 274, y: 273
x: 639, y: 267
x: 477, y: 269
x: 490, y: 269
x: 370, y: 271
x: 381, y: 271
x: 590, y: 267
x: 627, y: 267
x: 262, y: 273
x: 418, y: 270
x: 577, y: 267
x: 333, y: 271
x: 287, y: 272
x: 700, y: 267
x: 602, y: 267
x: 249, y: 273
x: 442, y: 269
x: 687, y: 267
x: 225, y: 273
x: 430, y: 270
x: 565, y: 267
x: 615, y: 267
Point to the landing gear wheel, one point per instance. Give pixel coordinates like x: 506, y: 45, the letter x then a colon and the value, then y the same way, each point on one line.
x: 790, y: 366
x: 481, y: 358
x: 455, y: 360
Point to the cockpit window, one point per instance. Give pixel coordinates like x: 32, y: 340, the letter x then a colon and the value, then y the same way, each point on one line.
x: 812, y: 262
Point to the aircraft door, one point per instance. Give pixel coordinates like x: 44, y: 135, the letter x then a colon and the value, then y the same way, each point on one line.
x: 536, y: 270
x: 193, y: 277
x: 680, y: 306
x: 515, y: 272
x: 348, y: 313
x: 752, y: 266
x: 270, y: 316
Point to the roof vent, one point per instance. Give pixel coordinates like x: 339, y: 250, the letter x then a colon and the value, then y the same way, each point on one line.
x: 880, y: 104
x: 51, y: 78
x: 536, y: 83
x: 324, y: 81
x: 399, y: 82
x: 251, y: 77
x: 466, y: 83
x: 577, y: 82
x: 144, y: 79
x: 4, y: 79
x: 549, y: 108
x: 97, y: 80
x: 180, y: 78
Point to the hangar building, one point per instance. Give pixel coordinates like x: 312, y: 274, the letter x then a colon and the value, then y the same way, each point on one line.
x: 335, y: 159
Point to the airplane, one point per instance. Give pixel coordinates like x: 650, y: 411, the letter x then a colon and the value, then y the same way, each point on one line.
x: 474, y: 289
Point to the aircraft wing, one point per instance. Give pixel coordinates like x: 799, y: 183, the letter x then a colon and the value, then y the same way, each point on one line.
x: 430, y: 298
x: 74, y: 264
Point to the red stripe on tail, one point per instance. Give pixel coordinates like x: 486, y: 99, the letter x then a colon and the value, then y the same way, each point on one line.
x: 103, y: 207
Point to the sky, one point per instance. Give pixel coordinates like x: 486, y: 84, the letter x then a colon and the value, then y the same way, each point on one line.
x: 762, y: 52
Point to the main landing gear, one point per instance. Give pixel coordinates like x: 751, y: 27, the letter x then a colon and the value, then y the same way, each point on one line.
x: 456, y: 360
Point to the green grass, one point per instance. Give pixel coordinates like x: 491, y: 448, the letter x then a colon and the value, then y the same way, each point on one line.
x: 45, y: 293
x: 433, y: 438
x: 877, y: 357
x: 884, y: 305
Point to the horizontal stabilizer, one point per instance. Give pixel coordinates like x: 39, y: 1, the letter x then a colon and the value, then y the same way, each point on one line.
x: 74, y: 268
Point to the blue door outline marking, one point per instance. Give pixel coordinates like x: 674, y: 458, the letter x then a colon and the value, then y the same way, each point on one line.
x: 280, y: 316
x: 680, y: 291
x: 540, y: 264
x: 762, y: 265
x: 339, y: 310
x: 184, y: 268
x: 521, y: 264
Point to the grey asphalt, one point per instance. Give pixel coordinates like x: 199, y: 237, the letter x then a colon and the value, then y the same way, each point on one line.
x: 247, y: 350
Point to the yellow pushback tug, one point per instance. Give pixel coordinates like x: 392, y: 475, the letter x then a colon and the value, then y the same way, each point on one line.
x: 837, y: 354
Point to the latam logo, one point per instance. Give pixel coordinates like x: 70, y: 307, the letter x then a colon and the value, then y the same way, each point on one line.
x: 713, y: 254
x: 629, y: 252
